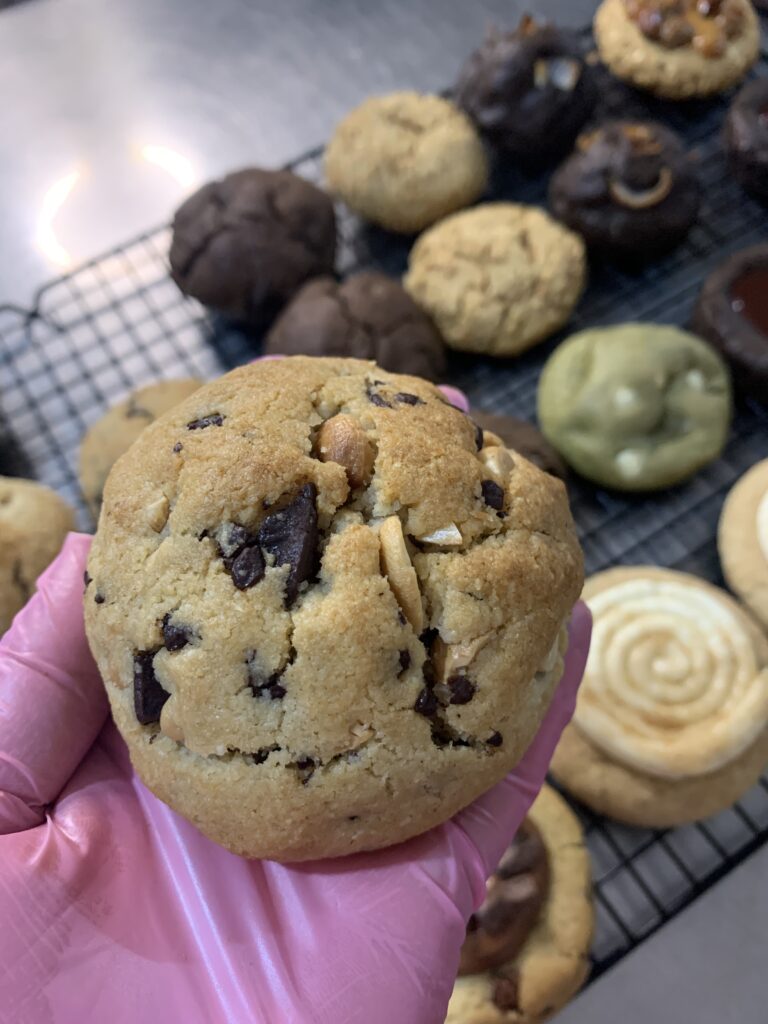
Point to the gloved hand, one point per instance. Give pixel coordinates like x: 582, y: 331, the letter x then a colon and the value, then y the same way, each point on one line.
x: 113, y: 909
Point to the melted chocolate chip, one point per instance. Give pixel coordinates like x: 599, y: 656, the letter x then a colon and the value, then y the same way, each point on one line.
x: 462, y: 689
x: 405, y: 661
x: 99, y: 599
x: 495, y: 739
x: 148, y: 694
x: 493, y: 495
x: 290, y: 535
x: 265, y: 685
x: 409, y: 399
x: 214, y: 419
x: 306, y: 768
x: 87, y: 578
x: 261, y: 755
x: 277, y: 691
x: 428, y: 636
x: 175, y: 635
x: 177, y: 447
x: 478, y: 434
x: 426, y: 703
x: 400, y: 617
x: 247, y: 568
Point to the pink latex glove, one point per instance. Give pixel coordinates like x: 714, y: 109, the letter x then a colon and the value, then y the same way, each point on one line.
x: 113, y: 909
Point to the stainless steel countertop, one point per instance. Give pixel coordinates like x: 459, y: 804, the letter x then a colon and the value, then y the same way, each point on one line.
x: 114, y: 110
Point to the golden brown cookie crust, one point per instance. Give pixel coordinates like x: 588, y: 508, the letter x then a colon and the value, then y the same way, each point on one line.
x: 405, y: 160
x: 34, y: 522
x: 554, y: 962
x: 673, y: 73
x: 498, y: 278
x: 743, y: 554
x: 342, y: 761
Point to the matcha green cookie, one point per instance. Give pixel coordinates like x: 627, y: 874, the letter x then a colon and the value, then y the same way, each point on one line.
x: 637, y: 406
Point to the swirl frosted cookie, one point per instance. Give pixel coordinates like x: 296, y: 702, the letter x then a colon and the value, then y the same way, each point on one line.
x: 678, y: 48
x: 742, y: 540
x: 526, y: 950
x: 327, y: 614
x: 671, y: 723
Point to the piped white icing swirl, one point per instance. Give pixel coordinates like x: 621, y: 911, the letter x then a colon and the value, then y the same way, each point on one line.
x: 673, y: 686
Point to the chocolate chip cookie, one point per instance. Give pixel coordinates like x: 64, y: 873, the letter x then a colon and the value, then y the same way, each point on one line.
x: 637, y: 406
x: 405, y: 160
x: 368, y: 316
x: 526, y: 950
x: 678, y: 48
x: 112, y: 435
x: 530, y: 91
x: 732, y: 314
x: 34, y: 522
x: 629, y: 189
x: 497, y: 279
x: 327, y: 614
x: 521, y: 436
x: 746, y: 136
x: 244, y: 245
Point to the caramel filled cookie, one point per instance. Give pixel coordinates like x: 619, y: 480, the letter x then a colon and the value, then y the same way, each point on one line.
x: 530, y: 91
x: 629, y: 189
x: 329, y: 614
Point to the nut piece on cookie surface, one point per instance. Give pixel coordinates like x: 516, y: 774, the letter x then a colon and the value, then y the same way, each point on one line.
x: 342, y: 632
x: 405, y: 160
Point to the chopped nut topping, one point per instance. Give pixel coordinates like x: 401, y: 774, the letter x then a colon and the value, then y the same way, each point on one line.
x: 396, y: 565
x: 343, y: 440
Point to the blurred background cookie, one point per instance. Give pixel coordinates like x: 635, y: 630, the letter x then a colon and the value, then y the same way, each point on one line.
x: 497, y: 279
x: 368, y: 316
x: 732, y: 314
x: 34, y: 522
x: 523, y: 437
x: 671, y: 723
x: 406, y: 159
x: 526, y: 950
x: 746, y: 136
x: 678, y: 48
x: 637, y: 406
x: 112, y: 435
x: 245, y: 244
x: 629, y: 189
x: 530, y: 91
x: 742, y: 540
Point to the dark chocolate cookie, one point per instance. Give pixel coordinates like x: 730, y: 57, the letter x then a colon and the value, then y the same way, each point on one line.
x: 245, y: 244
x: 629, y: 188
x: 732, y: 314
x: 530, y: 90
x: 369, y: 316
x: 746, y: 136
x: 523, y: 437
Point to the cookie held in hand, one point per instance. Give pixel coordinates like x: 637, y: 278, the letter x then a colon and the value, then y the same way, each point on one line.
x: 329, y: 617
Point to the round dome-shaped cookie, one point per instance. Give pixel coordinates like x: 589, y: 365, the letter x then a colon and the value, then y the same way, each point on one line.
x: 637, y: 406
x: 530, y: 91
x: 629, y: 189
x: 114, y: 433
x: 367, y: 316
x: 327, y: 620
x: 245, y: 244
x: 678, y: 49
x: 34, y: 521
x: 671, y: 723
x: 498, y: 278
x: 746, y: 136
x: 742, y: 540
x: 405, y: 160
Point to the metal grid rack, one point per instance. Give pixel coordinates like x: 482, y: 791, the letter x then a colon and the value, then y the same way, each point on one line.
x: 119, y: 322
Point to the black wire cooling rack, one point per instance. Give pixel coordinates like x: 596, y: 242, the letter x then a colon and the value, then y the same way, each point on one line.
x: 119, y: 322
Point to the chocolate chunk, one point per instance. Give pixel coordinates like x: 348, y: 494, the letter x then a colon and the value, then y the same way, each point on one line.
x: 493, y: 495
x: 99, y: 599
x: 478, y: 434
x: 409, y: 399
x: 178, y: 447
x: 277, y: 691
x: 175, y: 635
x: 405, y: 661
x: 232, y: 538
x: 462, y: 689
x: 376, y: 399
x: 247, y: 568
x: 264, y: 685
x: 495, y: 739
x: 426, y: 703
x: 87, y: 578
x: 214, y: 419
x: 306, y: 769
x: 290, y: 535
x: 428, y: 636
x: 148, y: 694
x: 400, y: 617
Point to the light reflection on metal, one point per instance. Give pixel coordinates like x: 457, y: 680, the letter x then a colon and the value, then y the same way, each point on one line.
x: 54, y: 198
x: 173, y: 163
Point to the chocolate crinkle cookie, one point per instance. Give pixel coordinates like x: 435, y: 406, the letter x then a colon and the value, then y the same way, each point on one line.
x: 746, y: 136
x: 245, y: 244
x: 327, y: 613
x: 629, y: 189
x: 368, y: 316
x: 530, y: 91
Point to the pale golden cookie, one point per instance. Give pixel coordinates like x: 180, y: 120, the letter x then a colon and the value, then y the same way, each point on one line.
x: 325, y: 620
x: 671, y: 723
x: 498, y: 278
x: 682, y: 53
x: 553, y: 962
x: 34, y: 522
x: 405, y: 160
x: 114, y: 433
x: 742, y: 540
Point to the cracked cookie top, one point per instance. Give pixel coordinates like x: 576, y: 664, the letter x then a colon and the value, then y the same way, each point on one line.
x: 320, y: 590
